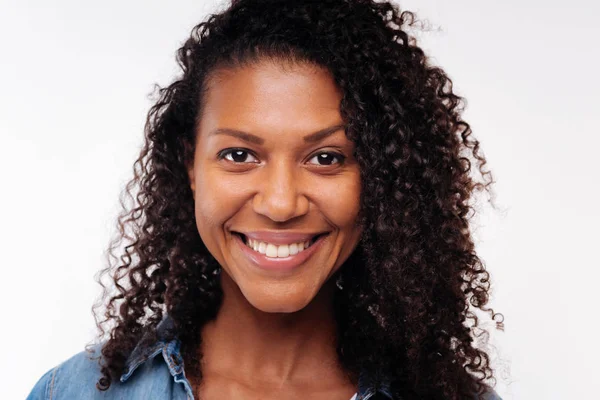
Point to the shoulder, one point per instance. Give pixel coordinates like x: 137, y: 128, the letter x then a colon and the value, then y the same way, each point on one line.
x: 74, y: 378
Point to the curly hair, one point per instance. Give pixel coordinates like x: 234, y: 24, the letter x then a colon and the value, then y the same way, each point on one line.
x: 414, y: 282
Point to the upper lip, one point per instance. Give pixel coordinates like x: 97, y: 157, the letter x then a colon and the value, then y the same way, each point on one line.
x: 280, y: 237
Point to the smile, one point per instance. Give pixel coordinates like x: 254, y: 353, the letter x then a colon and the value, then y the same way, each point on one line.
x: 273, y: 250
x: 273, y: 256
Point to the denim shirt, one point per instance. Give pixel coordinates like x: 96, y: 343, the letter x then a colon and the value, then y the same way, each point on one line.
x: 152, y: 371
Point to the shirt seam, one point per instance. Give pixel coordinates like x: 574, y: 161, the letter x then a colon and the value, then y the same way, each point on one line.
x: 51, y: 392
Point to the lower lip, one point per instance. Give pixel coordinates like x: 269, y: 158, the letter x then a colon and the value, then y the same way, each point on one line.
x: 283, y: 263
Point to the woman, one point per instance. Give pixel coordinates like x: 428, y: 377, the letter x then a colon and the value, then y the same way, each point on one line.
x: 300, y: 222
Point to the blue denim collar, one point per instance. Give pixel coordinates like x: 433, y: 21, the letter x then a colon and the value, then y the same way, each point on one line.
x: 169, y: 349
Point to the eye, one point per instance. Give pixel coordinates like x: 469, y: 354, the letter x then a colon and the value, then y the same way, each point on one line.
x: 237, y: 156
x: 327, y: 158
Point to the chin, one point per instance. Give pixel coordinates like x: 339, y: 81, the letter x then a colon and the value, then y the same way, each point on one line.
x: 285, y: 302
x: 278, y: 309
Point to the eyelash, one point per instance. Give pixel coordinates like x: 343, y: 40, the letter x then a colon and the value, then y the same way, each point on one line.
x: 222, y: 154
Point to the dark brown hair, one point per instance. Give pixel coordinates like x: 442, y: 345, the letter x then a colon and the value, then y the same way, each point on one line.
x: 410, y: 288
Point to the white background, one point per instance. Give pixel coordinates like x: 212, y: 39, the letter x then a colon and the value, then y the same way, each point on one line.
x: 75, y: 76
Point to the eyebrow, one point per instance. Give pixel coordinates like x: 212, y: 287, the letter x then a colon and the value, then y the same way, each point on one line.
x: 248, y: 137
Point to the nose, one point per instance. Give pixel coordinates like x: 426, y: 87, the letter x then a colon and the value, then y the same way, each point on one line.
x: 280, y: 196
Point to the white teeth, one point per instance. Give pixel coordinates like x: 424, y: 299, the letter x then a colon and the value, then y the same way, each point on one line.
x: 271, y: 250
x: 277, y: 251
x: 283, y: 251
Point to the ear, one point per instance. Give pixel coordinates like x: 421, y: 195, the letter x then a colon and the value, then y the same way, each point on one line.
x: 192, y: 176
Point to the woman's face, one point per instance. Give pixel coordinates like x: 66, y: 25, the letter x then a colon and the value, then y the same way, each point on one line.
x: 273, y: 164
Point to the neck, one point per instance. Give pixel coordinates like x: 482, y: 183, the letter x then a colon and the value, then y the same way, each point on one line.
x: 249, y: 345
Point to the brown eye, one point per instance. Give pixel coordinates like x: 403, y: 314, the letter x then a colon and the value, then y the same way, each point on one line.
x: 328, y: 158
x: 237, y: 155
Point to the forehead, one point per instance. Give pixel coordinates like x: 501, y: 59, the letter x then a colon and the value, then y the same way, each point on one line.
x: 270, y: 95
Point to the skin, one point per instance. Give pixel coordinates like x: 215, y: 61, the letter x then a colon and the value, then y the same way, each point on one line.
x: 274, y: 336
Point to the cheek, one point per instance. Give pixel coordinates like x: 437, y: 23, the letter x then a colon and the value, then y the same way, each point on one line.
x: 217, y: 199
x: 340, y: 202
